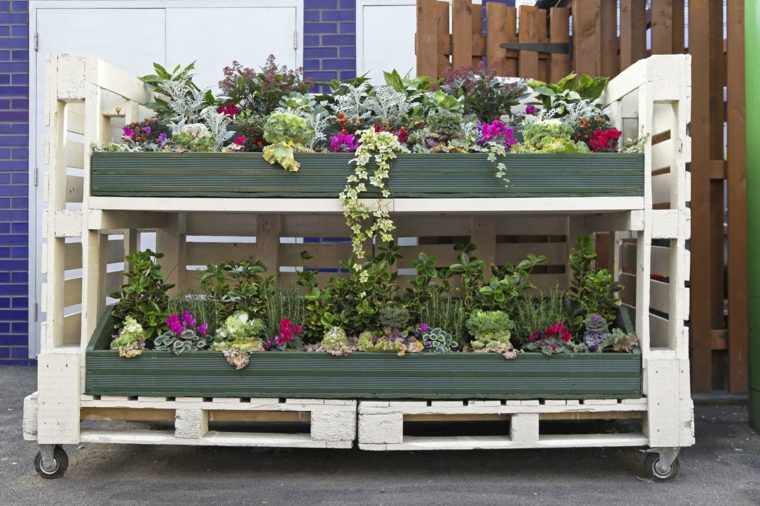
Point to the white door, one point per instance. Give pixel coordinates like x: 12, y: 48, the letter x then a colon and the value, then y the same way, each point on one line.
x: 385, y: 37
x: 131, y: 35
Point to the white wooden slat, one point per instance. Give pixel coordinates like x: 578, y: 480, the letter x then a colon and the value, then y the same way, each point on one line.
x: 74, y: 154
x: 660, y: 259
x: 74, y: 188
x: 72, y: 329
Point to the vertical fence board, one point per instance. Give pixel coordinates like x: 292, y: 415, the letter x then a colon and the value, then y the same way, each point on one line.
x: 461, y: 33
x: 679, y: 22
x: 610, y: 61
x: 662, y: 26
x: 497, y: 33
x: 587, y: 48
x: 559, y: 32
x: 701, y: 280
x: 632, y: 32
x: 441, y: 14
x: 427, y: 39
x: 531, y: 21
x: 737, y: 202
x: 477, y: 50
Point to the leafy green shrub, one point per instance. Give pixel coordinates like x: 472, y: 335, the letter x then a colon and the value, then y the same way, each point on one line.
x: 483, y: 94
x: 393, y: 317
x: 237, y: 286
x: 144, y: 297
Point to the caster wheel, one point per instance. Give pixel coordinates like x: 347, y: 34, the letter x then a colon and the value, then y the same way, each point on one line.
x: 61, y: 463
x: 653, y: 470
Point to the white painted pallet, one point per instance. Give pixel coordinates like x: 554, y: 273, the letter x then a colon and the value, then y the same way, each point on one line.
x: 332, y: 423
x: 381, y: 424
x: 86, y: 238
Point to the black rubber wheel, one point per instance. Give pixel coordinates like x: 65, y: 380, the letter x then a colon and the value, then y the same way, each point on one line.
x: 61, y: 464
x: 651, y: 470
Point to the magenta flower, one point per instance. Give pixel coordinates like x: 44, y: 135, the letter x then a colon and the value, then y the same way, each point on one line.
x: 239, y: 140
x: 297, y: 329
x: 128, y: 132
x: 146, y: 129
x: 496, y: 131
x: 174, y: 324
x: 188, y: 319
x: 202, y: 329
x: 343, y: 143
x: 424, y: 327
x: 531, y: 109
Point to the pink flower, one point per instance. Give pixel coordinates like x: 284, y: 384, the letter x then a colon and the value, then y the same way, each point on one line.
x: 424, y: 327
x: 280, y: 341
x: 128, y: 132
x: 146, y: 129
x: 188, y: 319
x: 202, y: 329
x: 533, y: 336
x: 531, y: 109
x: 230, y: 110
x: 343, y: 143
x: 174, y: 324
x: 496, y: 131
x: 239, y: 140
x: 297, y: 329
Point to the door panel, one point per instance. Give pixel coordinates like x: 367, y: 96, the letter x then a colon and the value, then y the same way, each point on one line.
x: 387, y: 39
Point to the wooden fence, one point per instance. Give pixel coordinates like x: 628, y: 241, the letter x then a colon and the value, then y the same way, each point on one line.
x: 607, y: 37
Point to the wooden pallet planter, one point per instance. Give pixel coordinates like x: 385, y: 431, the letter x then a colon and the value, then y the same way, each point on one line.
x: 324, y: 175
x: 266, y: 422
x: 361, y: 375
x: 382, y: 424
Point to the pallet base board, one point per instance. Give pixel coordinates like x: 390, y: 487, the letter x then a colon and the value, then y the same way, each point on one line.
x: 212, y: 438
x: 411, y: 443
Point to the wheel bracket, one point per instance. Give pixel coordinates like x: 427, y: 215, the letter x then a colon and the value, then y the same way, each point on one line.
x: 667, y: 456
x: 48, y: 460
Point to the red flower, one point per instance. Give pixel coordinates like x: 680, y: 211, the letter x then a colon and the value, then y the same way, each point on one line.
x: 533, y: 336
x: 239, y: 140
x: 230, y: 110
x: 402, y: 134
x: 604, y: 140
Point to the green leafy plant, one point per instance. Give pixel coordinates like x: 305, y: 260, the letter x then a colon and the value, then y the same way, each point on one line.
x: 335, y: 343
x: 237, y: 286
x: 620, y: 341
x: 380, y: 147
x: 570, y: 89
x: 175, y: 86
x: 490, y: 331
x: 509, y: 283
x: 483, y: 94
x: 130, y: 342
x: 592, y: 290
x: 393, y: 318
x: 438, y: 340
x: 282, y: 304
x: 145, y: 295
x: 188, y: 340
x: 469, y: 270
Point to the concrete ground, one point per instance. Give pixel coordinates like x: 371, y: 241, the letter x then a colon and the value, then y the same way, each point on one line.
x: 722, y: 469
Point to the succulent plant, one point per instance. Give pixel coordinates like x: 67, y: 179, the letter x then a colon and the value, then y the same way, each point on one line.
x: 394, y: 317
x: 438, y: 340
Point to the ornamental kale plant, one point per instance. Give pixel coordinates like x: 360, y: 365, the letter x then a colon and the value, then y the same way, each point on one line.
x: 238, y: 337
x: 490, y: 331
x: 130, y: 342
x: 549, y: 136
x: 286, y: 134
x: 596, y: 333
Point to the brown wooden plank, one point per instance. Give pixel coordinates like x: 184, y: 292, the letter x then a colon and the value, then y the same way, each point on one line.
x: 441, y: 14
x: 587, y: 48
x: 531, y: 21
x: 608, y: 22
x: 427, y: 39
x: 461, y: 33
x: 701, y: 252
x: 632, y: 32
x: 559, y: 32
x: 478, y: 46
x: 512, y: 58
x: 679, y: 22
x: 497, y: 33
x: 662, y: 26
x: 737, y: 203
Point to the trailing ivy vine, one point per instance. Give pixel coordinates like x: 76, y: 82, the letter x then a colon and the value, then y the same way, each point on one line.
x: 380, y: 147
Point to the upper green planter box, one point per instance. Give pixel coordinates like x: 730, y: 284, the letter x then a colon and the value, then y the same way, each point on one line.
x: 323, y: 175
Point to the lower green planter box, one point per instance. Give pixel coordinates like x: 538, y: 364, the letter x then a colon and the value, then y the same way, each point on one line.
x: 448, y: 175
x: 361, y: 375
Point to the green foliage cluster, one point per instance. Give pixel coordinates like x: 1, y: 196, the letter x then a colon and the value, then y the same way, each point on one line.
x: 571, y: 89
x: 145, y: 294
x: 130, y: 342
x: 549, y: 136
x: 533, y: 314
x: 188, y: 340
x: 237, y: 286
x: 437, y: 340
x: 490, y: 330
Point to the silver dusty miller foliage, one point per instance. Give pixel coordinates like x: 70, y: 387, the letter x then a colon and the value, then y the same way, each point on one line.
x: 217, y: 124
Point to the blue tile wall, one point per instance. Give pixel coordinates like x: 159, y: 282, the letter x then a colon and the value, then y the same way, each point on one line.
x: 14, y: 176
